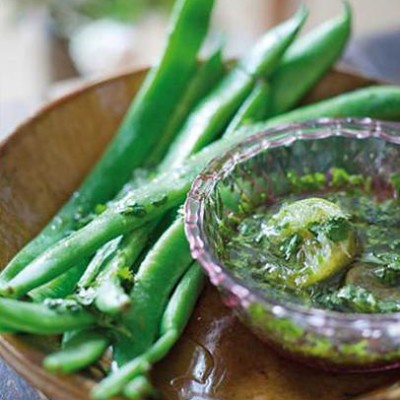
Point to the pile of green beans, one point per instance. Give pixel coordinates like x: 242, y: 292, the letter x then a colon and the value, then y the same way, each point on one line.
x: 139, y: 131
x: 112, y: 271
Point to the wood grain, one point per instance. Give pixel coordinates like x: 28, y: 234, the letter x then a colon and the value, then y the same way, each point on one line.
x: 40, y: 166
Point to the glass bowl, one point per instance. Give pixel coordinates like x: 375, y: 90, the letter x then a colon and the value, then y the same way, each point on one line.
x: 257, y: 168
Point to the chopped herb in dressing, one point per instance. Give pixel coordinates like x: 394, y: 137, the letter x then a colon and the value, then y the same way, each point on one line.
x: 334, y: 243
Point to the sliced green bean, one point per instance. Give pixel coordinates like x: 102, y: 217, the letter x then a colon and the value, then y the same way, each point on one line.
x: 169, y: 189
x: 157, y: 276
x: 98, y: 262
x: 110, y: 295
x: 159, y: 96
x: 40, y: 319
x: 80, y: 351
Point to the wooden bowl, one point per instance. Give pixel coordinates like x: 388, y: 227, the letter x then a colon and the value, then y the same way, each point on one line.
x: 40, y: 166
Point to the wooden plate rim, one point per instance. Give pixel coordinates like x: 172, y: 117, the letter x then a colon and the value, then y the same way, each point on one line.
x: 55, y: 385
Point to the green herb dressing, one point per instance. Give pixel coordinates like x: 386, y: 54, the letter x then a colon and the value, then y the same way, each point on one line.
x: 334, y: 243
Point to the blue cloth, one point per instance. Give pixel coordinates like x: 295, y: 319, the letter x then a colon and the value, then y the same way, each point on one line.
x: 13, y: 387
x: 377, y: 56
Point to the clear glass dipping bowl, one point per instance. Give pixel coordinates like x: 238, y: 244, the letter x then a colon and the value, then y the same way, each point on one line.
x: 257, y: 167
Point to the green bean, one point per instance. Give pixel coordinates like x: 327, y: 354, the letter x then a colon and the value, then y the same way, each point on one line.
x: 114, y: 384
x: 174, y: 320
x: 111, y: 284
x: 216, y: 110
x: 139, y: 388
x: 139, y: 132
x: 110, y: 295
x: 102, y: 286
x: 32, y: 276
x: 306, y: 61
x: 253, y: 109
x: 78, y: 277
x: 207, y: 77
x: 309, y: 58
x: 169, y: 189
x: 157, y: 276
x: 6, y: 329
x: 98, y: 262
x: 61, y: 286
x: 208, y: 74
x: 41, y: 319
x: 379, y: 102
x: 183, y: 301
x: 80, y: 351
x: 228, y: 95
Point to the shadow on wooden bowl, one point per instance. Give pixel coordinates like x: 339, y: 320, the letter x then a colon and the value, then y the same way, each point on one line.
x: 40, y: 166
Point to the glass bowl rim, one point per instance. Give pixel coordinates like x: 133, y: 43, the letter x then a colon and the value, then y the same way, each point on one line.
x: 219, y: 275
